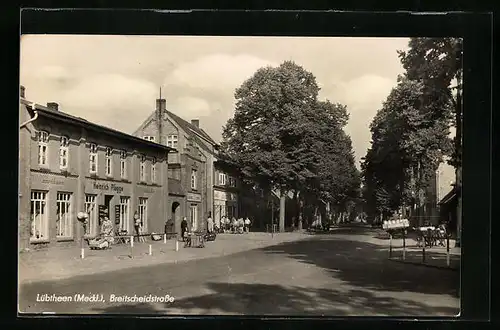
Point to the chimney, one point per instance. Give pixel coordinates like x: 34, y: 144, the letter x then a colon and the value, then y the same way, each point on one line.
x: 161, y: 105
x: 22, y: 91
x: 53, y: 106
x: 195, y: 122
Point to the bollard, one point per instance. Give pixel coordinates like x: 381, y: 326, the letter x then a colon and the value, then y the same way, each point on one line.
x: 131, y: 241
x: 390, y: 246
x: 423, y: 253
x: 82, y: 251
x: 447, y: 250
x: 404, y: 244
x: 176, y: 245
x: 164, y: 238
x: 150, y: 250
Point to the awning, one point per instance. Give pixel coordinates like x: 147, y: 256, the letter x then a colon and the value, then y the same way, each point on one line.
x: 449, y: 197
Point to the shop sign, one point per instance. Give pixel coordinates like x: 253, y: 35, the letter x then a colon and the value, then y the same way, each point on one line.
x: 220, y: 195
x: 193, y: 197
x: 117, y: 214
x: 53, y: 181
x: 108, y: 187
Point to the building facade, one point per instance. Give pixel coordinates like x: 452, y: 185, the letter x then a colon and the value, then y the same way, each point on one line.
x: 190, y: 165
x: 226, y: 192
x: 68, y: 165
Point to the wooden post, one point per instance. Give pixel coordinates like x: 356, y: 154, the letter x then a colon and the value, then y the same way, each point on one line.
x: 131, y: 246
x: 150, y: 250
x: 423, y: 252
x: 390, y: 245
x: 82, y: 252
x: 165, y: 238
x: 447, y: 250
x: 404, y: 243
x: 176, y: 245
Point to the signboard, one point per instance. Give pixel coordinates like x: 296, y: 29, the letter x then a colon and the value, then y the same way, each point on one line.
x: 108, y: 187
x: 220, y: 195
x: 396, y: 224
x: 117, y: 214
x: 193, y: 197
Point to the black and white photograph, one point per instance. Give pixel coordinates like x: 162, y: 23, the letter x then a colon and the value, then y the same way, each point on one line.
x: 240, y: 175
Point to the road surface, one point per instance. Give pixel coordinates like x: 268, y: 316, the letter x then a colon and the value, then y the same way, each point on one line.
x: 327, y: 275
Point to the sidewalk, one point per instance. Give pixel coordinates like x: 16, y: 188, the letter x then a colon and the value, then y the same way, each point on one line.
x: 54, y: 263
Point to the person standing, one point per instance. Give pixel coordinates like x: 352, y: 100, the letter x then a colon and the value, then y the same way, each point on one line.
x: 184, y: 228
x: 247, y: 224
x: 137, y: 226
x: 217, y: 225
x: 210, y: 223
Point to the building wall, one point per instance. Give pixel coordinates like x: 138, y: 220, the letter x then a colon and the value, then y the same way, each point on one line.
x: 78, y: 180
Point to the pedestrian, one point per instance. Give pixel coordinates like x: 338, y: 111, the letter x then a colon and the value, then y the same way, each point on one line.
x: 210, y: 223
x: 247, y: 224
x: 217, y: 225
x: 137, y: 226
x: 184, y: 228
x: 234, y: 224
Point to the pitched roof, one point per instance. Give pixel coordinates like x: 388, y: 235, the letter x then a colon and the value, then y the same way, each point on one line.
x: 59, y: 115
x: 187, y: 126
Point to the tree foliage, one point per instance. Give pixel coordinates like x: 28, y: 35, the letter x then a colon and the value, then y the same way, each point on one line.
x: 282, y: 137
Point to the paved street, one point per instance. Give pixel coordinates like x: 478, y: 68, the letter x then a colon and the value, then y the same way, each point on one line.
x: 330, y: 274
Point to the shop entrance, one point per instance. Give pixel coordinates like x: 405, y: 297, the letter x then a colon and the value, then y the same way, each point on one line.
x: 175, y: 216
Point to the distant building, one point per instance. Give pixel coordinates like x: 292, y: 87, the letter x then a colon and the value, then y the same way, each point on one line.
x: 69, y: 165
x: 191, y: 165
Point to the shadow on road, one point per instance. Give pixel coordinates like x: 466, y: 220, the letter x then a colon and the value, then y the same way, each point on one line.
x: 263, y: 299
x: 357, y: 263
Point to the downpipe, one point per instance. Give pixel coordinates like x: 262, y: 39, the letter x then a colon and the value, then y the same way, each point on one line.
x: 32, y: 119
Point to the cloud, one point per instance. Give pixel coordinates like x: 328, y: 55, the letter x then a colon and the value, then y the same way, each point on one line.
x: 363, y: 96
x: 111, y: 100
x: 217, y: 71
x: 191, y: 107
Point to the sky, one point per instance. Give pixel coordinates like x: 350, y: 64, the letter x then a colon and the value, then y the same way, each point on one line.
x: 115, y: 80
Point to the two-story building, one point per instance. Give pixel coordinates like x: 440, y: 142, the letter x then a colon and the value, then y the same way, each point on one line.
x: 69, y: 165
x: 226, y: 191
x: 190, y: 165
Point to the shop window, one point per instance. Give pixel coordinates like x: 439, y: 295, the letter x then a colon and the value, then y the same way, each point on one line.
x: 43, y: 140
x: 193, y: 215
x: 91, y: 210
x: 39, y: 216
x: 123, y: 164
x: 142, y: 169
x: 124, y: 213
x: 64, y: 222
x: 143, y: 213
x: 109, y: 162
x: 93, y: 158
x: 64, y: 153
x: 153, y: 170
x: 193, y: 179
x: 172, y: 141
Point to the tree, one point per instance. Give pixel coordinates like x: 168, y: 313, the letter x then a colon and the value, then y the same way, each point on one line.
x: 282, y: 137
x: 409, y: 140
x: 437, y: 63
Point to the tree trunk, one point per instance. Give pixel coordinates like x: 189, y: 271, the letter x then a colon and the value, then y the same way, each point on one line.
x: 282, y: 211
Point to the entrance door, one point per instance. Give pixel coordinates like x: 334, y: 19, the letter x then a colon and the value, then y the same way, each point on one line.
x: 193, y: 212
x: 107, y: 204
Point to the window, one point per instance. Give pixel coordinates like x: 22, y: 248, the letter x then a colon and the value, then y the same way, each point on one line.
x: 63, y: 220
x: 149, y: 138
x: 91, y: 210
x: 39, y: 213
x: 109, y: 161
x: 142, y: 169
x: 43, y: 139
x: 222, y: 179
x: 123, y: 164
x: 143, y: 213
x: 124, y: 213
x: 193, y: 215
x: 172, y: 140
x: 63, y: 153
x: 93, y: 158
x: 153, y: 170
x: 193, y: 179
x: 232, y: 181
